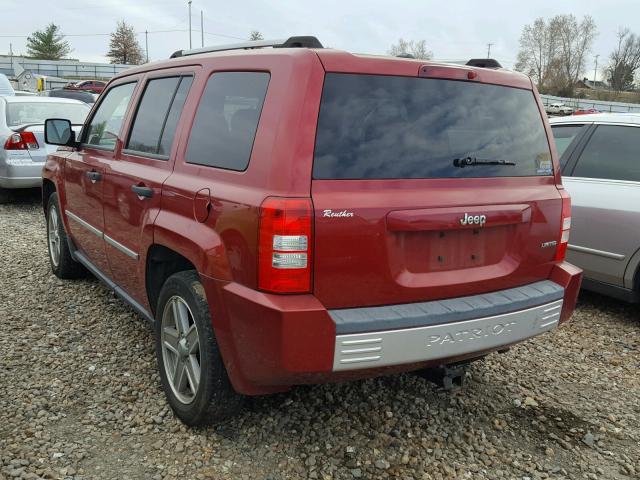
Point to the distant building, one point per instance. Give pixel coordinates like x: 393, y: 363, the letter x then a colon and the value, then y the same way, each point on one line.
x: 68, y: 68
x: 591, y: 85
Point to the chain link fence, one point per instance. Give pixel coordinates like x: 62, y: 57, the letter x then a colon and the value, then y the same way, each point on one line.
x: 63, y: 68
x: 603, y: 106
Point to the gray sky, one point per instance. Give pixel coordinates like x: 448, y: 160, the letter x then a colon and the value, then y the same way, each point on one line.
x: 454, y: 30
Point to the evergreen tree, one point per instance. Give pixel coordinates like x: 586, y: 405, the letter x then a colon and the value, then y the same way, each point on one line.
x: 48, y: 44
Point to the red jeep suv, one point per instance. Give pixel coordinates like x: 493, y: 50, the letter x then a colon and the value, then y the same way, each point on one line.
x: 295, y: 215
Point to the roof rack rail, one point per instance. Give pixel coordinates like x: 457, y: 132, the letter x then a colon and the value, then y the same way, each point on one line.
x: 291, y: 42
x: 484, y: 63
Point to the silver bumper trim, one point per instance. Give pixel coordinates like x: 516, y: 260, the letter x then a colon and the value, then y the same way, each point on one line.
x: 410, y: 345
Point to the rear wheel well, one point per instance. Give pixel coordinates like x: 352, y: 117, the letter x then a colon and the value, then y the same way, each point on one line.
x: 162, y: 262
x: 48, y: 187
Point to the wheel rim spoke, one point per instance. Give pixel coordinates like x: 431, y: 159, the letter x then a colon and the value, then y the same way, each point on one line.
x: 182, y: 318
x: 174, y: 314
x: 193, y: 373
x: 179, y: 377
x: 170, y: 339
x: 192, y: 338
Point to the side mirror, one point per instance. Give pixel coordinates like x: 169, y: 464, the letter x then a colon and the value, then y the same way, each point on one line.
x: 58, y: 131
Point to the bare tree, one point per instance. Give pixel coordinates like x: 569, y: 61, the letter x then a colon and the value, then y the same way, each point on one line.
x: 124, y: 46
x: 624, y: 61
x: 574, y: 43
x: 553, y: 52
x: 537, y: 51
x: 255, y: 35
x: 417, y: 49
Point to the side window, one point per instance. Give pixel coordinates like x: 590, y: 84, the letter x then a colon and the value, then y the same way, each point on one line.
x: 564, y: 136
x: 157, y: 117
x: 227, y: 119
x: 104, y: 128
x: 612, y: 153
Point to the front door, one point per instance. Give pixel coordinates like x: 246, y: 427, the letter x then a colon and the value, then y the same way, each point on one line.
x: 84, y: 175
x: 134, y: 180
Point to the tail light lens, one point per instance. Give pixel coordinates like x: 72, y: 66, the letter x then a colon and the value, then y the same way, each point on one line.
x: 21, y: 141
x: 284, y: 249
x: 565, y: 226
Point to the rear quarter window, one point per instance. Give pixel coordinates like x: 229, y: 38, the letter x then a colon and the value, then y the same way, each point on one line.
x: 377, y: 127
x: 564, y: 136
x: 227, y: 119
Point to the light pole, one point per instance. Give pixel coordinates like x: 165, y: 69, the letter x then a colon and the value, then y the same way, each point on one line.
x: 146, y: 43
x: 489, y: 50
x: 594, y: 72
x: 190, y: 24
x: 201, y: 29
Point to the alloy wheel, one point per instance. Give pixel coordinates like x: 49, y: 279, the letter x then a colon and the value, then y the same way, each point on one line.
x: 180, y: 349
x: 53, y: 235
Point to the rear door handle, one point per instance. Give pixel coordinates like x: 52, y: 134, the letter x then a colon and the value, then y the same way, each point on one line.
x: 94, y: 176
x: 141, y: 191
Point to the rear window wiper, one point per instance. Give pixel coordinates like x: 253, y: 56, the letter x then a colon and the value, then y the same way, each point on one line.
x: 472, y: 161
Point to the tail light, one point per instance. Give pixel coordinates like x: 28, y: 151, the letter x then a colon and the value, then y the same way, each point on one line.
x: 565, y: 226
x: 284, y: 248
x: 21, y: 141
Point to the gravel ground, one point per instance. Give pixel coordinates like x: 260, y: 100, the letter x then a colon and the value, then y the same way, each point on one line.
x: 80, y: 398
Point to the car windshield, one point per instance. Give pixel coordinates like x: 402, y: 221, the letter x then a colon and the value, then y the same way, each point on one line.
x: 21, y: 113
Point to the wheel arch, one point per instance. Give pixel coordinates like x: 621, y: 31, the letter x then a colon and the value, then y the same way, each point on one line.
x: 632, y: 272
x: 170, y: 252
x: 48, y: 187
x: 161, y: 263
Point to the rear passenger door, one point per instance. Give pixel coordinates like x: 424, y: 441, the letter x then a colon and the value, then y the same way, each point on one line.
x: 134, y: 180
x: 604, y: 184
x: 211, y: 168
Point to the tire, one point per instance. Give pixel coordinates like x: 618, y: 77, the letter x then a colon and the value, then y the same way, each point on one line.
x: 62, y: 263
x: 5, y: 195
x: 187, y: 343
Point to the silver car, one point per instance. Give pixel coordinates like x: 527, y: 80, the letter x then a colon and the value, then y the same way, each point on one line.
x: 22, y: 147
x: 600, y: 159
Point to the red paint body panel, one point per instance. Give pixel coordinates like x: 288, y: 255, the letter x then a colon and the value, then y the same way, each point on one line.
x: 361, y: 261
x: 403, y: 244
x: 570, y: 277
x: 85, y: 198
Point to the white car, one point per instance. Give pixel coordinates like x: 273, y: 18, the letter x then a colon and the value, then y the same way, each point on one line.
x: 6, y: 89
x: 559, y: 109
x: 22, y: 147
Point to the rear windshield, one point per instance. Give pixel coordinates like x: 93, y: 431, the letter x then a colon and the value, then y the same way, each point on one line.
x: 21, y: 113
x: 376, y: 127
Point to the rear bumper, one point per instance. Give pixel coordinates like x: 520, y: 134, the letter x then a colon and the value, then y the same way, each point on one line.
x: 270, y: 342
x: 20, y: 173
x: 435, y: 342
